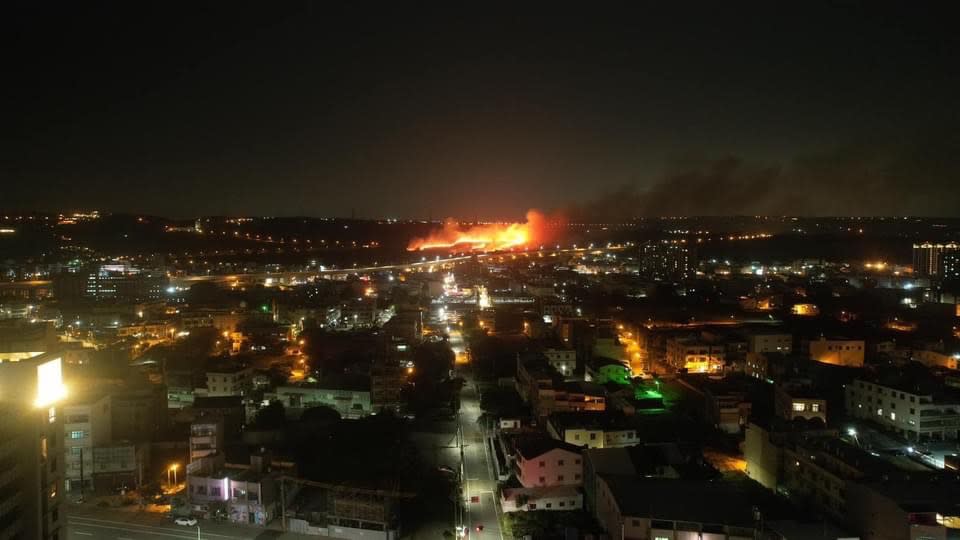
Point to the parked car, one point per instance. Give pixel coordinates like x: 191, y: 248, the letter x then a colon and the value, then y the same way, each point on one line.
x: 186, y: 521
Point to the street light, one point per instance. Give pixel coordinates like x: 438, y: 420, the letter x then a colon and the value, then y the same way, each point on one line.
x: 173, y: 468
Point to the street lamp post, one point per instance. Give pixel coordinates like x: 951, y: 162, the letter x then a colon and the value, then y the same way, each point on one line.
x: 198, y: 532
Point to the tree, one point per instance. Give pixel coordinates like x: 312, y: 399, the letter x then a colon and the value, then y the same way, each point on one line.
x: 319, y: 417
x: 273, y: 416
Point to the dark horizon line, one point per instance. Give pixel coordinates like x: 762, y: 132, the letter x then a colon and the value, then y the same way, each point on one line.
x: 552, y: 216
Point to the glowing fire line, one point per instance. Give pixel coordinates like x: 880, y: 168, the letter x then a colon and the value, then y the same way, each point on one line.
x: 492, y: 237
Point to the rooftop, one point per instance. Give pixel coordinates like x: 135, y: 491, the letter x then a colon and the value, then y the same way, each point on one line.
x: 607, y: 421
x: 680, y: 500
x: 541, y: 492
x: 588, y: 388
x: 531, y: 447
x: 217, y: 402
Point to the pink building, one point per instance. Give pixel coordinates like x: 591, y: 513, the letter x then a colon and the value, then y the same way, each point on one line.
x: 545, y: 462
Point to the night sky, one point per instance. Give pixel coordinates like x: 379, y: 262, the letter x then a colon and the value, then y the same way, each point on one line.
x: 320, y: 110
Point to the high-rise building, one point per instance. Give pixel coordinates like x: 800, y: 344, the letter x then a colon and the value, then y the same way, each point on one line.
x: 928, y: 257
x: 111, y: 282
x: 31, y: 448
x: 950, y: 267
x: 666, y: 259
x: 125, y: 282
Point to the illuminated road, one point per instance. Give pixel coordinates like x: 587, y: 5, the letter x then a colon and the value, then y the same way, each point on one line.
x: 113, y: 524
x: 479, y: 482
x: 285, y: 277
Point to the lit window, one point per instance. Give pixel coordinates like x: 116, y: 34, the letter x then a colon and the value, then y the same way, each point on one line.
x: 815, y: 407
x: 879, y: 412
x: 893, y: 416
x: 76, y: 434
x: 799, y: 407
x: 52, y: 414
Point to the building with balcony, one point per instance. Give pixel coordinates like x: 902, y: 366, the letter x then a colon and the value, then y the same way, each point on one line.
x: 799, y: 400
x: 247, y: 494
x: 206, y: 437
x: 547, y: 392
x: 695, y: 355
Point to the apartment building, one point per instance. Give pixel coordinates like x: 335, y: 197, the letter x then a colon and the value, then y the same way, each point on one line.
x: 916, y: 416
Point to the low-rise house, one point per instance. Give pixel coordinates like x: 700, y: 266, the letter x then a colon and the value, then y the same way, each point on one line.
x: 606, y: 370
x: 655, y: 461
x: 695, y: 355
x: 229, y: 381
x: 230, y: 408
x: 562, y: 360
x: 725, y: 402
x: 247, y: 495
x: 545, y: 498
x: 796, y: 399
x: 120, y: 465
x: 350, y: 397
x: 542, y: 462
x: 547, y: 392
x: 592, y: 429
x: 628, y: 507
x: 766, y: 341
x: 839, y: 351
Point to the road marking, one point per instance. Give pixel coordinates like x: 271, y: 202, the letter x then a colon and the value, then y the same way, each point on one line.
x: 137, y: 525
x: 189, y: 536
x: 82, y: 533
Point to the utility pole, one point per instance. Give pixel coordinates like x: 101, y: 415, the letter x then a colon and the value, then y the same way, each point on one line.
x: 81, y: 473
x: 283, y: 505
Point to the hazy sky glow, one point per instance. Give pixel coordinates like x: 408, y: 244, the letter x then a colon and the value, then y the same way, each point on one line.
x: 307, y: 110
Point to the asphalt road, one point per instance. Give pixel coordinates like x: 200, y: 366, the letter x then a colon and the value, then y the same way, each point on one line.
x: 111, y: 524
x: 479, y: 483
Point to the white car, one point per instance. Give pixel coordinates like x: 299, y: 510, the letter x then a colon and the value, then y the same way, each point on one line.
x: 186, y: 521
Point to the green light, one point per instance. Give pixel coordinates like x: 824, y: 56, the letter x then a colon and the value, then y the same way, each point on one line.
x: 265, y: 308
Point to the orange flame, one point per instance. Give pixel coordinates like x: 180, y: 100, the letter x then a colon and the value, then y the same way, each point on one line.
x: 487, y: 237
